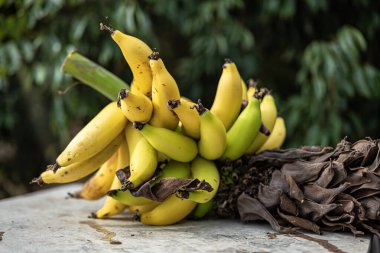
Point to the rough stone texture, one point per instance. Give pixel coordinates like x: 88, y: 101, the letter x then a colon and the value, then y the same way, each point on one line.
x: 47, y: 221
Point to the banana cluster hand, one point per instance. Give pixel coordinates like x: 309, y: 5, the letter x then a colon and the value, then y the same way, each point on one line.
x: 126, y: 143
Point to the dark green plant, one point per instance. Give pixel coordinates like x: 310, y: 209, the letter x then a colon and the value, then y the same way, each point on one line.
x: 320, y: 59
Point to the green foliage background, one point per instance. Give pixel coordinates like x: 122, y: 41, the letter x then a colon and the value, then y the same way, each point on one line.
x: 320, y: 59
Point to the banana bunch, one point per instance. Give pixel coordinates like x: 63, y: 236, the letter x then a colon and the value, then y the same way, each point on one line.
x: 152, y: 128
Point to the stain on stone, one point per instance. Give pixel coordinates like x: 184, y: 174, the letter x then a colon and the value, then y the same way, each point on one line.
x: 324, y: 243
x: 271, y: 235
x: 108, y: 235
x: 1, y: 236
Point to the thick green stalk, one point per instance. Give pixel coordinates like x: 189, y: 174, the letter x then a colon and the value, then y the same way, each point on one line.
x: 93, y: 75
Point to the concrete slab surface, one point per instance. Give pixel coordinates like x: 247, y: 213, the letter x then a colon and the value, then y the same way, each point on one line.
x: 47, y: 221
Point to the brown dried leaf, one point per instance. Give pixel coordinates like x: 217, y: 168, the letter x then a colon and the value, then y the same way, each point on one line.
x: 303, y: 171
x: 294, y: 190
x: 269, y: 196
x: 314, y: 211
x: 323, y: 195
x: 372, y: 207
x: 333, y: 226
x: 326, y: 176
x: 250, y: 209
x: 300, y: 222
x: 340, y: 173
x: 278, y: 181
x: 287, y: 205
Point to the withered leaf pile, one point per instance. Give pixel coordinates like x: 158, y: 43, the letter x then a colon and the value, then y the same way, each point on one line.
x: 312, y: 188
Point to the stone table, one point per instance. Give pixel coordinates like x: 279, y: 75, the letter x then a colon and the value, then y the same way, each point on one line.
x: 48, y: 221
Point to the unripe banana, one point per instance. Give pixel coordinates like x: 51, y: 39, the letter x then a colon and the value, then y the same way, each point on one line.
x: 277, y: 136
x: 99, y: 184
x: 135, y: 106
x: 243, y: 131
x: 79, y: 170
x: 228, y: 98
x: 170, y: 211
x: 268, y: 116
x: 213, y: 136
x: 203, y: 169
x: 173, y: 144
x: 189, y: 118
x: 202, y: 209
x: 164, y: 87
x: 136, y: 53
x: 111, y: 206
x: 94, y: 137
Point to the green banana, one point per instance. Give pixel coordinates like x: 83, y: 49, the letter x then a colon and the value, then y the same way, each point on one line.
x: 171, y: 143
x: 243, y: 131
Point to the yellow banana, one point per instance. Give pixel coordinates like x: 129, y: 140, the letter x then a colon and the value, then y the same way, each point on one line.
x: 94, y: 137
x: 268, y: 117
x: 172, y: 169
x: 173, y: 144
x: 213, y: 136
x: 170, y: 211
x: 276, y: 138
x: 79, y: 170
x: 203, y: 169
x: 228, y: 98
x: 135, y: 106
x: 99, y: 184
x: 244, y: 131
x: 136, y: 53
x: 164, y: 87
x: 244, y: 90
x: 188, y: 117
x: 251, y: 88
x: 143, y: 208
x: 143, y: 163
x: 111, y: 206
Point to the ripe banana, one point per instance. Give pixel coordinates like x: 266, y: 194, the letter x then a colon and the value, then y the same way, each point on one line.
x: 99, y: 184
x: 251, y: 88
x: 111, y: 206
x: 164, y: 87
x: 228, y: 98
x: 188, y: 117
x: 213, y: 136
x: 172, y: 169
x: 277, y: 136
x: 79, y: 170
x: 136, y: 54
x: 244, y: 131
x: 135, y: 106
x: 203, y: 169
x: 94, y: 137
x: 244, y: 90
x: 170, y: 211
x: 173, y: 144
x: 143, y: 208
x: 143, y: 163
x: 268, y: 116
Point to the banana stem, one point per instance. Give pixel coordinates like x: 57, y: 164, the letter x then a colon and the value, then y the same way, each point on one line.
x: 93, y: 75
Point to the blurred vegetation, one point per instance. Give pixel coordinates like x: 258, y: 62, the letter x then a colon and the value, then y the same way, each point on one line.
x: 320, y: 59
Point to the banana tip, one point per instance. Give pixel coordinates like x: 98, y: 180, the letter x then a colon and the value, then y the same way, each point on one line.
x: 103, y: 27
x: 38, y: 181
